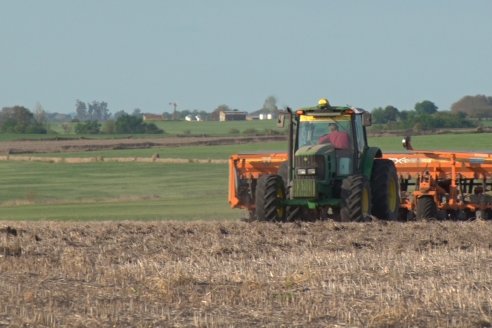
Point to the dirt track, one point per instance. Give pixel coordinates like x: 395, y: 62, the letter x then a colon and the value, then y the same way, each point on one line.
x: 235, y: 274
x: 77, y: 145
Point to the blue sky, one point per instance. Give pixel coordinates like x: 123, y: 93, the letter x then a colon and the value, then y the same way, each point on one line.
x: 202, y: 54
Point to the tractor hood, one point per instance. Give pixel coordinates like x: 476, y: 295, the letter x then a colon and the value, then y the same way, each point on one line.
x: 314, y: 150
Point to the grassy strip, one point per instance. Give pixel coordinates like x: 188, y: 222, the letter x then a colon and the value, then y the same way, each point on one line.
x: 113, y: 191
x: 456, y: 142
x: 209, y: 128
x: 126, y: 209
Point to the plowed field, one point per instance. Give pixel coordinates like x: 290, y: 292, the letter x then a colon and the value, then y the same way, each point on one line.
x: 216, y: 274
x: 77, y: 145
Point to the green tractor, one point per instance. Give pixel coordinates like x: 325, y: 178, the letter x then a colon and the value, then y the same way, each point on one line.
x: 330, y: 171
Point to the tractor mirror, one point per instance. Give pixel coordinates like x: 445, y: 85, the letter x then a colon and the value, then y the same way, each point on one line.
x: 366, y: 119
x: 281, y: 120
x: 406, y: 143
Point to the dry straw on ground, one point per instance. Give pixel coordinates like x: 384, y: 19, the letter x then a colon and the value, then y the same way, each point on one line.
x: 221, y: 274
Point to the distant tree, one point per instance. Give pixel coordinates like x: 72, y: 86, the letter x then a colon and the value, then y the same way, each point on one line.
x: 67, y: 127
x: 425, y: 107
x: 58, y: 117
x: 133, y: 124
x: 137, y: 112
x: 118, y: 114
x: 19, y: 119
x: 81, y: 110
x: 383, y: 116
x: 392, y: 113
x: 205, y: 116
x: 109, y: 127
x: 40, y: 114
x: 98, y: 111
x: 403, y: 115
x: 88, y: 127
x: 167, y: 116
x: 378, y: 116
x: 270, y: 105
x: 479, y: 106
x: 447, y: 119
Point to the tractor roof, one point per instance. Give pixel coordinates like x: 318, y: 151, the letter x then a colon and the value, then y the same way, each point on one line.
x: 324, y: 107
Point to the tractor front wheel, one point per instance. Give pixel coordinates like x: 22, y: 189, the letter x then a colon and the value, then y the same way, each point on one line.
x: 356, y: 199
x: 270, y: 192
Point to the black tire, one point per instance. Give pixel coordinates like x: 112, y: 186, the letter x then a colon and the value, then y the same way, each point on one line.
x: 385, y: 190
x: 403, y: 214
x: 270, y: 192
x: 356, y: 199
x: 426, y: 208
x: 297, y: 213
x: 310, y: 215
x: 293, y: 213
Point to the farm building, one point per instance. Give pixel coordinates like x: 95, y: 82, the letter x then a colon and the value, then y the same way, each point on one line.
x: 261, y: 116
x: 232, y: 116
x: 191, y: 118
x: 152, y: 117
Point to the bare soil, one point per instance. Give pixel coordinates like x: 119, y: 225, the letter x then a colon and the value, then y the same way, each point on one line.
x: 237, y: 274
x: 77, y: 145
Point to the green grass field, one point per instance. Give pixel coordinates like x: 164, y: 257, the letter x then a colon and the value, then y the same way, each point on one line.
x: 457, y: 142
x: 107, y: 191
x: 151, y: 191
x: 173, y: 128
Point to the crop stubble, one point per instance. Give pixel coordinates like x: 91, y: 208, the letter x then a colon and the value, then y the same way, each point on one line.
x: 182, y: 274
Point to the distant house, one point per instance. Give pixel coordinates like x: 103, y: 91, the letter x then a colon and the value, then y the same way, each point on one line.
x: 266, y: 116
x: 152, y: 117
x: 232, y: 116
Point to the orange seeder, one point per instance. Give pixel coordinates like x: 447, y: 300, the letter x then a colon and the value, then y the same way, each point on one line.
x: 433, y: 184
x: 444, y: 184
x: 245, y: 169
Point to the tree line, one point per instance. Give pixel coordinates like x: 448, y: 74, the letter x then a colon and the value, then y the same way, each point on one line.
x: 425, y: 115
x: 95, y: 117
x: 18, y: 119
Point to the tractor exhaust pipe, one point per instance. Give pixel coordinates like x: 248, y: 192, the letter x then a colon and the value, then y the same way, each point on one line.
x: 290, y: 155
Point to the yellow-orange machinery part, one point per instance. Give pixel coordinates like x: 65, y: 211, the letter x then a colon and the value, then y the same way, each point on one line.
x: 431, y: 166
x: 410, y: 165
x: 247, y: 167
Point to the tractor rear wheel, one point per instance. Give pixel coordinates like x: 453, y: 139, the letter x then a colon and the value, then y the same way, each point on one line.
x: 426, y: 208
x: 356, y: 199
x: 270, y: 192
x: 385, y: 193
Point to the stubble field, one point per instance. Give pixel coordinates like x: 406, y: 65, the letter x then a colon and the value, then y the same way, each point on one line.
x: 236, y: 274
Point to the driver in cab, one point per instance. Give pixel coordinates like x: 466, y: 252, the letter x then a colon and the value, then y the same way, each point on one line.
x: 339, y: 139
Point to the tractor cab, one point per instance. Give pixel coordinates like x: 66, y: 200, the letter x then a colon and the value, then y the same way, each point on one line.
x: 327, y: 146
